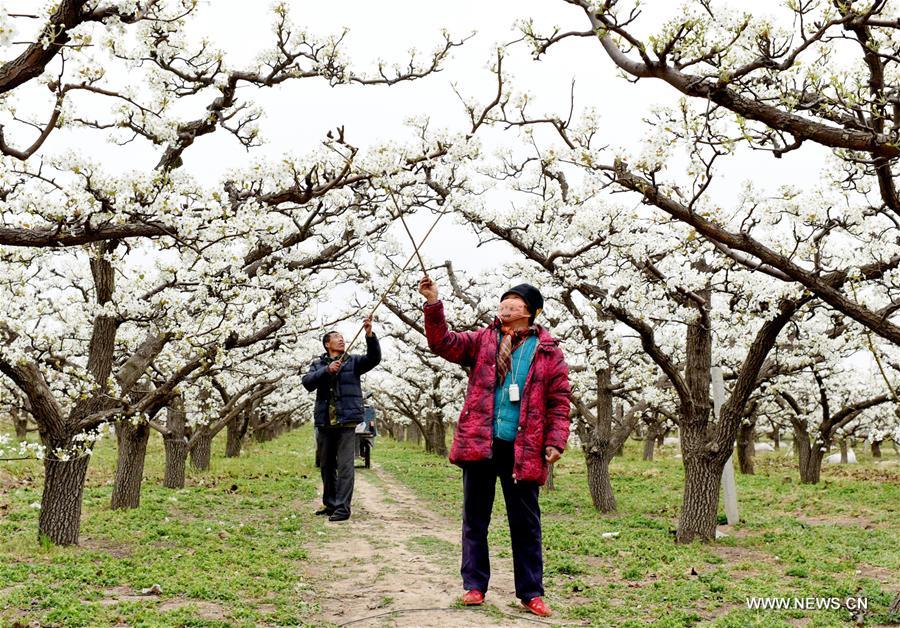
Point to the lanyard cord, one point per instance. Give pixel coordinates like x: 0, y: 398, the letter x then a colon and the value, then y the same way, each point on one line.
x: 519, y: 363
x: 504, y: 390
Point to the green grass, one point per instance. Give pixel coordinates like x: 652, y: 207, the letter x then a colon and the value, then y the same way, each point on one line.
x: 229, y: 548
x: 836, y: 539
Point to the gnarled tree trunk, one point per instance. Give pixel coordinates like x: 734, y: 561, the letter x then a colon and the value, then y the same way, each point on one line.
x: 745, y: 447
x: 235, y: 432
x: 132, y: 440
x: 60, y: 518
x: 649, y: 447
x: 654, y: 431
x: 413, y: 433
x: 702, y: 470
x: 810, y: 456
x: 437, y: 431
x: 439, y: 437
x: 435, y: 434
x: 600, y: 441
x: 263, y: 428
x: 201, y: 450
x: 599, y: 483
x: 175, y: 444
x: 702, y: 478
x: 20, y: 424
x: 876, y: 448
x: 176, y: 459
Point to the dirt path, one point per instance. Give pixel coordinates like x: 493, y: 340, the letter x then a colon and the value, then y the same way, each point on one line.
x: 394, y: 554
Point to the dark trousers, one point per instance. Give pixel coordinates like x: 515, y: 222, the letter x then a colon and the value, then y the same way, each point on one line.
x: 522, y: 512
x: 338, y: 451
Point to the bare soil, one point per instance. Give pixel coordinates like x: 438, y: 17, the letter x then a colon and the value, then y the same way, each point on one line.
x: 396, y: 563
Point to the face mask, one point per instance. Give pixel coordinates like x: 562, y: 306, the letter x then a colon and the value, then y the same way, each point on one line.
x: 511, y: 311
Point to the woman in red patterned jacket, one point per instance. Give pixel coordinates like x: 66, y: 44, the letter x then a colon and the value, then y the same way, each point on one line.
x: 513, y: 425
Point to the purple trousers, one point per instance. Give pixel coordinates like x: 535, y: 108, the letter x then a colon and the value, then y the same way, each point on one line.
x: 522, y: 512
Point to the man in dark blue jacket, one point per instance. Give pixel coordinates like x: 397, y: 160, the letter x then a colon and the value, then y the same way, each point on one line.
x: 339, y: 407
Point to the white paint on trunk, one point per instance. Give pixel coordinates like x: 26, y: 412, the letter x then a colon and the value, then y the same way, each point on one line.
x: 836, y: 458
x: 729, y: 488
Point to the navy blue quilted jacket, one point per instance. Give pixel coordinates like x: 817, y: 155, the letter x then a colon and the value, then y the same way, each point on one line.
x: 349, y: 397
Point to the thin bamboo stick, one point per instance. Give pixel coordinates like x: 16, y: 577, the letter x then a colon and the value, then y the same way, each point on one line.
x: 391, y: 287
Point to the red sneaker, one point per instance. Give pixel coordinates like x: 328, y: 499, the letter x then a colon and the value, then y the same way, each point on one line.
x: 472, y: 598
x: 537, y: 606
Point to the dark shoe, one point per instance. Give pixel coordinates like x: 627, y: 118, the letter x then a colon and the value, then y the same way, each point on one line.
x: 324, y: 511
x: 537, y: 606
x: 472, y: 598
x: 339, y: 516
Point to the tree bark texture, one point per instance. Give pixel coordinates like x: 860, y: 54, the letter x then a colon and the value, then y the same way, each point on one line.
x: 132, y: 440
x: 60, y: 518
x: 175, y: 444
x: 599, y: 482
x: 201, y: 452
x: 745, y: 447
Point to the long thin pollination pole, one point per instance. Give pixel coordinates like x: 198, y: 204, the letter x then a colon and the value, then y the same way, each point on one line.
x: 415, y: 254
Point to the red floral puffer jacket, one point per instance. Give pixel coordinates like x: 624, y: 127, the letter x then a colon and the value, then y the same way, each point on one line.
x: 544, y: 413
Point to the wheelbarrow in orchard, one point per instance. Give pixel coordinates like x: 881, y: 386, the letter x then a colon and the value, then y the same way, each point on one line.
x: 365, y: 436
